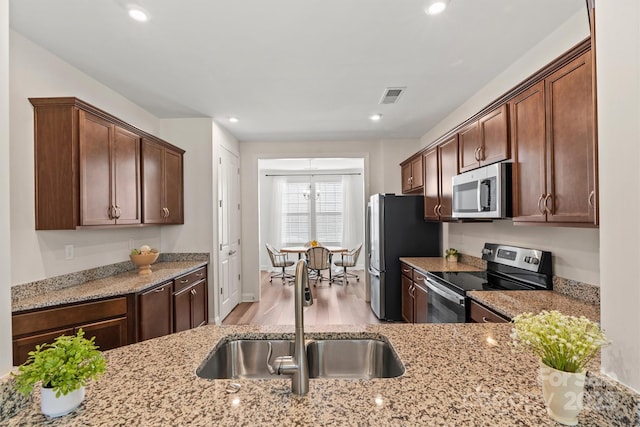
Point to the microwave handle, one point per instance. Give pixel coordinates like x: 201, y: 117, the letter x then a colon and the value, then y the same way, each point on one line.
x: 481, y: 207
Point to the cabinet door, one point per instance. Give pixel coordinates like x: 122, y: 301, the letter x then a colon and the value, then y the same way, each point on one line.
x: 420, y: 304
x: 527, y: 126
x: 155, y: 312
x: 416, y: 173
x: 109, y: 333
x: 494, y: 136
x: 406, y: 287
x: 448, y: 166
x: 431, y: 185
x: 469, y: 138
x: 571, y: 143
x: 480, y: 314
x: 96, y: 179
x: 182, y: 310
x: 199, y: 304
x: 406, y: 178
x: 126, y: 173
x: 22, y: 346
x: 173, y: 197
x: 152, y: 183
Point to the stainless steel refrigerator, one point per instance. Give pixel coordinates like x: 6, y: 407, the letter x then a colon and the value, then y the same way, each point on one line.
x: 396, y: 228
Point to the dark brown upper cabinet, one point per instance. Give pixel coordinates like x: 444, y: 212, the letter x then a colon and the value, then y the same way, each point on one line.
x: 162, y: 184
x: 441, y: 165
x: 485, y: 141
x: 88, y: 167
x: 412, y: 174
x: 552, y: 130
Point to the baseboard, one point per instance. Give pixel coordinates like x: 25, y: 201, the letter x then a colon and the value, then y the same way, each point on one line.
x: 249, y: 297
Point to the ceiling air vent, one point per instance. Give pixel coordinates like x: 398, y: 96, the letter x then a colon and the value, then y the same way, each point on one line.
x: 391, y: 95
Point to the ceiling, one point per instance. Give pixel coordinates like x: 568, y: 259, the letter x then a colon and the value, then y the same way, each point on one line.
x: 307, y: 70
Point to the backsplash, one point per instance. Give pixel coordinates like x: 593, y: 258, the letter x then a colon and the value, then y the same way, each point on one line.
x: 572, y: 288
x: 26, y: 290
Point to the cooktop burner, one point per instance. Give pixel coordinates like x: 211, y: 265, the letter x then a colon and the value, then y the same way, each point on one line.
x: 462, y: 282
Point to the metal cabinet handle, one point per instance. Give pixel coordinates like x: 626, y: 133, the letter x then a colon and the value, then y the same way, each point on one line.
x: 406, y: 270
x: 476, y: 154
x: 200, y: 274
x: 546, y: 207
x: 159, y: 290
x: 539, y: 203
x: 118, y: 212
x: 435, y: 210
x: 485, y: 320
x: 591, y: 198
x: 439, y: 210
x: 168, y: 213
x: 232, y: 252
x: 193, y: 292
x: 184, y: 281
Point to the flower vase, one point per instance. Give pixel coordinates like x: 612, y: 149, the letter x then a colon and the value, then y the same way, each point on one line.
x: 562, y: 393
x: 53, y: 406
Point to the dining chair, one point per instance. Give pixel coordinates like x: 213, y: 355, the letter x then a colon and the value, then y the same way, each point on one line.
x: 348, y: 260
x: 318, y: 259
x: 280, y: 260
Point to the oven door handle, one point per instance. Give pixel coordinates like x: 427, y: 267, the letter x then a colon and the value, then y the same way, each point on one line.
x: 444, y: 294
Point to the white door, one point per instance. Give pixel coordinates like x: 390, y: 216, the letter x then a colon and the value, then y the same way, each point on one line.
x: 228, y: 232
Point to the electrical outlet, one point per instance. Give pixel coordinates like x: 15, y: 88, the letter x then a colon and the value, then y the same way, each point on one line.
x: 68, y: 251
x: 131, y: 244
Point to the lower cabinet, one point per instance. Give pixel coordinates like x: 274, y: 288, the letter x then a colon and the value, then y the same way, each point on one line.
x: 154, y: 312
x: 414, y: 295
x: 190, y: 300
x: 107, y: 320
x: 478, y: 313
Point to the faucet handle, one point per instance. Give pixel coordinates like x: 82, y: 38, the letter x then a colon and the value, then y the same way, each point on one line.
x: 270, y: 367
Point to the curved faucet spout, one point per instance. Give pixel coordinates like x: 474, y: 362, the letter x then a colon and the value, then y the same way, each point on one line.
x: 296, y: 365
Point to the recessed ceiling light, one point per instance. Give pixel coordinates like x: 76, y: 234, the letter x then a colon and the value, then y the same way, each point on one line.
x: 375, y: 117
x: 233, y: 119
x: 138, y: 14
x: 436, y: 7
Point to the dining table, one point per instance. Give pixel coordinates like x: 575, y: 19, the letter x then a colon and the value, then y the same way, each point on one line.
x: 303, y: 249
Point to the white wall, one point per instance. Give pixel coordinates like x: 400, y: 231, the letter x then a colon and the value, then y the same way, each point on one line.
x: 34, y: 72
x: 382, y: 174
x: 5, y: 231
x: 618, y: 68
x: 575, y: 250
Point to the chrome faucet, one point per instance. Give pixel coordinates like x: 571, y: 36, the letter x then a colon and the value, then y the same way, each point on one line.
x: 296, y: 365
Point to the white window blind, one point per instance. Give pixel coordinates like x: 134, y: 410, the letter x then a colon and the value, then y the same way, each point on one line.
x: 312, y: 210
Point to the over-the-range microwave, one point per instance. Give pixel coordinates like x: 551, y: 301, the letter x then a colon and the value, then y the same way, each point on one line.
x: 483, y: 192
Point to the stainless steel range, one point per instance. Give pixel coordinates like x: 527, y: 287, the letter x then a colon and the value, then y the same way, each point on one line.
x: 508, y: 268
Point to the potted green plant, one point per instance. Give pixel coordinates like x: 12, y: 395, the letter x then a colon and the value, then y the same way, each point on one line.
x: 452, y: 255
x: 565, y: 345
x: 63, y: 368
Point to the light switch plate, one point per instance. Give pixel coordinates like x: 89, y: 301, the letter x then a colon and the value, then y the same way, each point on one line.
x: 68, y: 251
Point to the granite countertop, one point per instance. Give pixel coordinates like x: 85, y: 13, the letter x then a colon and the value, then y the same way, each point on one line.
x: 438, y: 264
x: 456, y: 374
x: 512, y: 303
x: 119, y: 284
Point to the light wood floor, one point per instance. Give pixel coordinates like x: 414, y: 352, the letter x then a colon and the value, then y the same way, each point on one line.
x: 332, y: 305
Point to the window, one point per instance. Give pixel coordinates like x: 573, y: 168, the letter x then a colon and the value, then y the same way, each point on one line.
x: 312, y: 210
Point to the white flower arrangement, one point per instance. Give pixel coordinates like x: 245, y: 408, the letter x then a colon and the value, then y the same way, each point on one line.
x: 565, y: 343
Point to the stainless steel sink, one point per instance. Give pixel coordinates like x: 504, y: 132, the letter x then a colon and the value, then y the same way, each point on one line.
x: 330, y: 358
x: 353, y: 358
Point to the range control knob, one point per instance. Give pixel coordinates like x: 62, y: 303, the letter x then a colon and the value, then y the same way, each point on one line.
x: 486, y: 251
x: 527, y: 259
x: 531, y: 260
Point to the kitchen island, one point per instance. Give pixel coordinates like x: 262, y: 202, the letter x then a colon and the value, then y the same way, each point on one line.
x: 456, y: 374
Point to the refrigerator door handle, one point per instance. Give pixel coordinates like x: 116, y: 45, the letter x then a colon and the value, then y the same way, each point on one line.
x: 373, y: 273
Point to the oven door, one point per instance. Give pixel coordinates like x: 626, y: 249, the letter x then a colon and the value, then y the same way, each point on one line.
x: 444, y: 305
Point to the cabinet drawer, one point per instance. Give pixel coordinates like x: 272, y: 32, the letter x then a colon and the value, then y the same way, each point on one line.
x: 418, y: 277
x: 481, y: 314
x: 182, y: 282
x: 57, y: 318
x: 406, y: 270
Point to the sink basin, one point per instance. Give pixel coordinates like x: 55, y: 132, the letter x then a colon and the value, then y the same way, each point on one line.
x: 353, y: 358
x: 330, y: 358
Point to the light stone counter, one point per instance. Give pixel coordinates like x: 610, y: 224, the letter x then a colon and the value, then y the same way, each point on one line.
x: 455, y: 376
x: 512, y: 303
x: 438, y: 264
x: 119, y: 284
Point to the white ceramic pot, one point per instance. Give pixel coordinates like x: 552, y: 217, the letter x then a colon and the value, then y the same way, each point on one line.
x: 562, y: 393
x: 53, y: 406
